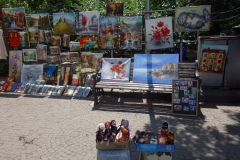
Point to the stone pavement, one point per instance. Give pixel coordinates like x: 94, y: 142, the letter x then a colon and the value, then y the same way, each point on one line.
x: 64, y: 128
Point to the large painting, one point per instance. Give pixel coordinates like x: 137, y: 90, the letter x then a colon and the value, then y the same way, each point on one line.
x: 109, y: 32
x: 192, y: 18
x: 91, y: 60
x: 31, y: 73
x: 15, y: 64
x: 14, y: 18
x: 155, y: 68
x: 63, y: 23
x: 159, y: 33
x: 87, y: 22
x: 115, y: 69
x: 213, y: 58
x: 131, y: 33
x: 38, y: 20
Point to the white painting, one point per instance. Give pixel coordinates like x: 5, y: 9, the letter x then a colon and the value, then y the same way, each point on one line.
x: 31, y: 73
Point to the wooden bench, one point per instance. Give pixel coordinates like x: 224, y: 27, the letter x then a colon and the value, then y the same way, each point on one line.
x: 186, y: 71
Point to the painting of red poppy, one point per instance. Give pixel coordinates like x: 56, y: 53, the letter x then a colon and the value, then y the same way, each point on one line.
x: 159, y: 33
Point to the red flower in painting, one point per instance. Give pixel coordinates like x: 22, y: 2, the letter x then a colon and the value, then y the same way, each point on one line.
x: 118, y: 68
x: 157, y: 35
x: 165, y: 31
x: 160, y: 32
x: 160, y: 24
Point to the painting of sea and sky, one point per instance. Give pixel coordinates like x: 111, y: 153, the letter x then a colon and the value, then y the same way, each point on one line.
x: 155, y: 68
x: 63, y: 23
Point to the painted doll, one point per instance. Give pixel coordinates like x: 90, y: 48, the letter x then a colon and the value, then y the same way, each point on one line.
x: 107, y: 132
x: 113, y: 129
x: 100, y: 132
x: 125, y: 131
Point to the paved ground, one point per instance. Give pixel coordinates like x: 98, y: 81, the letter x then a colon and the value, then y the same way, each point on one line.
x: 44, y: 128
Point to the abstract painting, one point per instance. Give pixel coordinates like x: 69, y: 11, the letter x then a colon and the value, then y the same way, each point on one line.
x: 115, y: 69
x: 24, y: 39
x: 15, y: 64
x: 14, y: 18
x: 109, y: 32
x: 91, y: 60
x: 33, y: 34
x: 29, y: 54
x: 31, y: 73
x: 63, y: 23
x: 155, y: 68
x: 87, y: 22
x: 213, y: 58
x: 115, y: 9
x: 159, y: 33
x: 192, y: 18
x: 88, y: 42
x: 38, y: 20
x: 41, y: 52
x: 130, y: 32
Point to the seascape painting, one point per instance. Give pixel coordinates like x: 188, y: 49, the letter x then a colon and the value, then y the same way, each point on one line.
x: 15, y: 64
x: 115, y: 69
x: 159, y: 33
x: 38, y: 20
x: 87, y: 23
x: 91, y: 60
x: 115, y: 9
x: 88, y: 42
x: 130, y: 32
x: 155, y: 68
x: 195, y: 18
x: 31, y: 73
x: 29, y: 54
x: 63, y: 23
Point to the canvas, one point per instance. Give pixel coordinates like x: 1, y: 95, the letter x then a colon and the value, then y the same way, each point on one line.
x: 63, y: 23
x: 88, y: 42
x: 91, y: 60
x: 48, y: 36
x: 195, y: 18
x: 115, y: 69
x: 38, y: 20
x: 114, y: 9
x: 15, y: 18
x: 65, y: 40
x: 31, y: 73
x: 41, y: 52
x: 55, y: 40
x: 54, y: 50
x: 131, y: 33
x: 159, y: 33
x: 41, y: 37
x: 109, y: 33
x: 74, y: 46
x: 29, y: 54
x: 64, y: 56
x: 24, y: 39
x: 73, y: 56
x: 213, y: 58
x: 155, y: 68
x: 15, y: 64
x: 87, y: 22
x: 53, y: 59
x: 33, y: 35
x: 50, y: 73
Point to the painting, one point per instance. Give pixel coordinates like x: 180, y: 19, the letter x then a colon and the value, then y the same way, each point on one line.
x: 54, y: 50
x: 159, y: 33
x: 88, y: 42
x: 114, y: 9
x: 33, y: 34
x: 14, y: 18
x: 74, y: 46
x: 73, y: 56
x: 15, y: 64
x: 155, y: 68
x: 195, y: 18
x: 41, y: 52
x: 31, y: 73
x: 50, y: 73
x: 53, y: 59
x: 87, y: 23
x: 24, y: 39
x: 65, y: 40
x: 63, y: 23
x: 130, y: 32
x: 29, y: 54
x: 213, y: 58
x: 38, y: 20
x: 115, y: 69
x: 55, y: 40
x: 64, y: 56
x: 91, y: 60
x: 41, y: 37
x: 48, y: 36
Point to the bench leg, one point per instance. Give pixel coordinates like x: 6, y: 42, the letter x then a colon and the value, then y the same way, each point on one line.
x: 97, y: 92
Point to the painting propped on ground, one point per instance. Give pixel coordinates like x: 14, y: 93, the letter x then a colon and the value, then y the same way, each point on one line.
x: 31, y: 73
x: 115, y: 69
x: 63, y: 23
x: 155, y: 68
x: 15, y: 64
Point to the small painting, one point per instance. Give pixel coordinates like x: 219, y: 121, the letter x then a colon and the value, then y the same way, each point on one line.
x: 63, y: 23
x: 48, y: 36
x: 65, y: 40
x: 42, y: 36
x: 15, y: 64
x: 41, y: 52
x: 91, y: 60
x: 73, y: 56
x: 155, y: 68
x: 50, y: 73
x: 115, y: 9
x: 14, y: 18
x: 38, y: 20
x: 31, y: 73
x: 87, y: 23
x: 54, y: 50
x: 131, y: 33
x: 115, y: 69
x: 53, y: 59
x: 74, y: 46
x: 195, y: 18
x: 33, y: 34
x: 88, y: 42
x: 64, y: 56
x: 29, y: 54
x: 159, y: 33
x: 24, y: 39
x: 55, y: 40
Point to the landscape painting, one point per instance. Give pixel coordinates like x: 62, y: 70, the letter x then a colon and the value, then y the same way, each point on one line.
x: 15, y: 64
x: 109, y: 32
x: 196, y: 18
x: 74, y: 46
x: 115, y: 69
x: 88, y: 42
x: 31, y: 73
x: 38, y: 20
x: 33, y: 34
x: 29, y: 54
x: 63, y: 23
x: 24, y: 39
x: 130, y: 32
x: 87, y: 22
x: 155, y: 68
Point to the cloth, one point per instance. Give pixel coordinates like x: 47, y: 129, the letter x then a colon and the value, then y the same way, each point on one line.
x: 3, y: 51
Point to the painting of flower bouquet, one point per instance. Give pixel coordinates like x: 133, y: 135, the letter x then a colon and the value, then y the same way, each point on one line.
x: 15, y: 64
x: 115, y: 69
x: 159, y: 33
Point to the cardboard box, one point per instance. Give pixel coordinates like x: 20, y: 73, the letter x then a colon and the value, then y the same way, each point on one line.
x: 113, y: 145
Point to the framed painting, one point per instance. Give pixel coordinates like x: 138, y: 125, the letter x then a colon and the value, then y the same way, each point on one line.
x: 33, y: 34
x: 41, y: 52
x: 31, y: 73
x: 14, y: 18
x: 73, y: 56
x: 213, y: 58
x: 87, y: 23
x: 109, y: 32
x: 74, y: 46
x: 53, y: 59
x: 114, y: 9
x: 54, y: 50
x: 38, y: 20
x: 155, y: 68
x: 131, y: 33
x: 88, y: 42
x: 195, y: 18
x: 159, y: 33
x: 64, y: 23
x: 115, y: 69
x: 15, y: 64
x: 91, y: 60
x: 29, y: 54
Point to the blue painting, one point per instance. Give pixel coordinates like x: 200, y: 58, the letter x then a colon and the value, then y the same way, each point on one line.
x: 155, y: 68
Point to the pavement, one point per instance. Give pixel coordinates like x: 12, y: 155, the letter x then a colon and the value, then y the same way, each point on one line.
x: 63, y: 128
